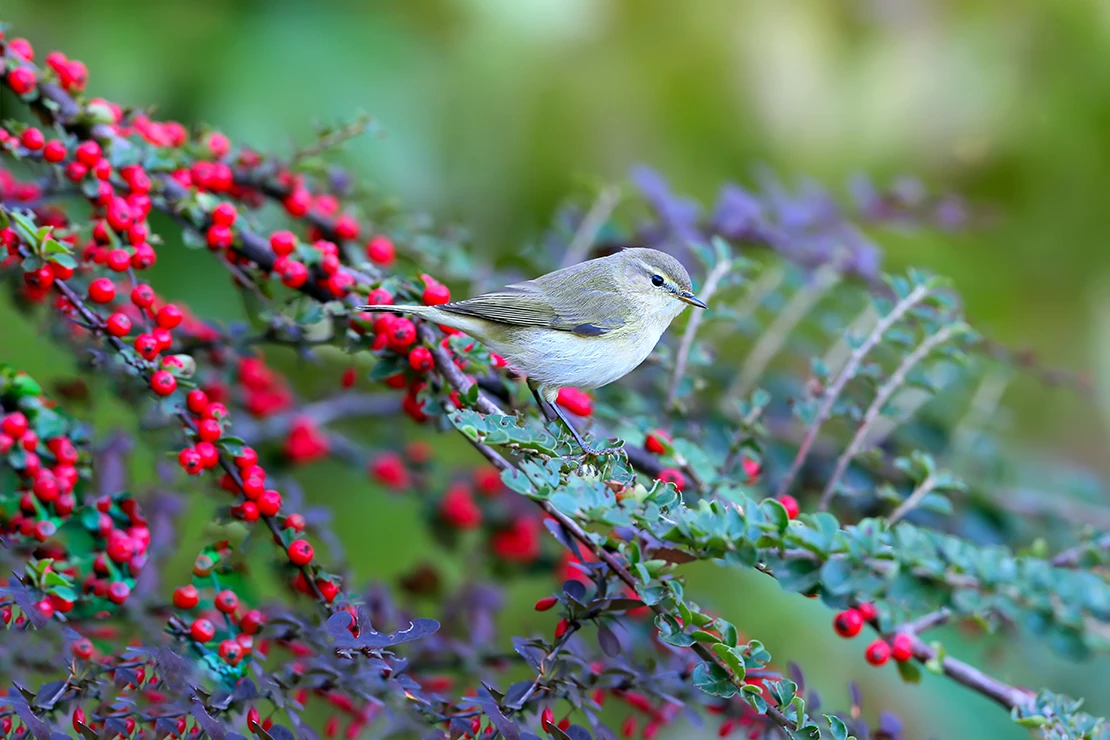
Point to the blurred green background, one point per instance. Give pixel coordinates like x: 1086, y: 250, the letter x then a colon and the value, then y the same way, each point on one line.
x: 494, y: 110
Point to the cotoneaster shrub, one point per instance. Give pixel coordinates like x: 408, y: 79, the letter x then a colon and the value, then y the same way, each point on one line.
x: 800, y: 428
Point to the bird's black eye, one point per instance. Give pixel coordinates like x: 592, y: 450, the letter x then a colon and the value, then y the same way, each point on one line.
x: 657, y: 280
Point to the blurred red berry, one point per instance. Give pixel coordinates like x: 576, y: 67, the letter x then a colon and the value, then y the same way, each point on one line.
x: 282, y: 242
x: 672, y: 475
x: 32, y: 138
x: 22, y: 80
x: 546, y: 603
x: 218, y: 144
x: 458, y: 508
x: 654, y: 442
x: 878, y: 652
x: 848, y: 623
x: 380, y: 251
x: 901, y: 647
x: 791, y: 505
x: 185, y: 597
x: 575, y: 401
x: 867, y: 610
x: 389, y: 469
x: 163, y: 383
x: 202, y: 630
x: 346, y: 227
x: 102, y: 290
x: 118, y: 325
x: 169, y: 316
x: 300, y: 552
x: 54, y: 151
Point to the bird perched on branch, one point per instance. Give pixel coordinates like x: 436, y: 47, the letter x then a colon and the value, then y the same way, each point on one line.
x: 583, y: 326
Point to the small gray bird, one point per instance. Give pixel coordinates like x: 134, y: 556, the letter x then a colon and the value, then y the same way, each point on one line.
x: 583, y: 326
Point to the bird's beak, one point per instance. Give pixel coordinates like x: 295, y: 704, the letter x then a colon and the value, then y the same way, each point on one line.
x: 688, y: 297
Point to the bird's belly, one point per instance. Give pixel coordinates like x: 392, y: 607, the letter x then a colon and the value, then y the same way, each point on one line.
x: 561, y: 359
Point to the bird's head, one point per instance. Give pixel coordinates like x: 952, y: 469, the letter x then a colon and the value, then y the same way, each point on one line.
x: 655, y: 277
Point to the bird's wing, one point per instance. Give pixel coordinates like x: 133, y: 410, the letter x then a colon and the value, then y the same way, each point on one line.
x: 526, y: 304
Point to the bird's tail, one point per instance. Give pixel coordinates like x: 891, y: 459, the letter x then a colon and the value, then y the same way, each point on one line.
x: 425, y: 312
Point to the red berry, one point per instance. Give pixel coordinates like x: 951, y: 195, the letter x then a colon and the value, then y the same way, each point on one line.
x: 848, y: 623
x: 82, y: 648
x: 297, y: 202
x: 389, y: 469
x: 102, y: 290
x: 196, y: 400
x: 791, y: 505
x: 209, y: 430
x: 102, y: 170
x: 118, y: 215
x: 226, y: 601
x: 46, y: 486
x: 402, y: 333
x: 752, y: 469
x: 218, y: 144
x: 877, y: 652
x: 144, y: 256
x: 546, y: 603
x: 163, y: 383
x: 224, y: 214
x: 300, y: 552
x: 294, y: 274
x: 421, y: 359
x: 169, y: 316
x: 61, y: 272
x: 269, y: 503
x: 251, y: 622
x: 32, y: 138
x: 118, y: 260
x: 547, y: 717
x: 147, y: 346
x: 561, y: 628
x: 14, y: 424
x: 186, y: 597
x: 282, y: 242
x: 40, y: 278
x: 654, y: 442
x: 867, y: 610
x: 118, y: 325
x: 22, y: 80
x: 379, y: 250
x: 54, y: 151
x: 88, y: 153
x: 190, y: 461
x: 575, y: 401
x: 22, y: 48
x: 346, y: 227
x: 436, y: 294
x: 458, y: 508
x: 118, y: 592
x: 672, y: 475
x: 246, y: 458
x: 901, y: 647
x: 202, y: 630
x: 219, y: 237
x: 295, y: 522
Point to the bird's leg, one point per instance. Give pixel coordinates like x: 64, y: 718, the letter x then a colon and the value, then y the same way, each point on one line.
x: 544, y: 406
x: 587, y: 448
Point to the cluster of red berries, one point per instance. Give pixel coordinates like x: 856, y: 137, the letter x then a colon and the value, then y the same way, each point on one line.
x: 850, y: 622
x: 224, y: 610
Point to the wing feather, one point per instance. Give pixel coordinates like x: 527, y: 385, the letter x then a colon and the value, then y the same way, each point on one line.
x: 527, y: 304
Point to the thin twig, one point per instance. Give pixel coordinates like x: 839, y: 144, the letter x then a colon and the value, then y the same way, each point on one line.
x: 773, y: 339
x: 921, y: 491
x: 886, y: 391
x: 711, y: 282
x: 591, y: 224
x: 832, y: 393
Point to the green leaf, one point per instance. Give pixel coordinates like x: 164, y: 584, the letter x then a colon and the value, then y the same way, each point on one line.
x: 713, y: 680
x: 837, y: 726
